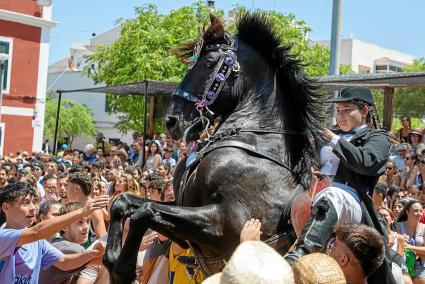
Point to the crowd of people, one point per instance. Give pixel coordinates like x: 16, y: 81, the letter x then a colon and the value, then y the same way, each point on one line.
x: 55, y: 214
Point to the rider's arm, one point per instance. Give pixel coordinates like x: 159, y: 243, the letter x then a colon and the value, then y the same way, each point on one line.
x: 368, y: 159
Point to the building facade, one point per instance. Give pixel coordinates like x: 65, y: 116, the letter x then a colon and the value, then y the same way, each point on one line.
x: 66, y: 74
x: 365, y: 57
x: 24, y: 36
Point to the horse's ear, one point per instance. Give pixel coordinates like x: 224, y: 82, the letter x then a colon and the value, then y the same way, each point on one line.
x: 216, y: 29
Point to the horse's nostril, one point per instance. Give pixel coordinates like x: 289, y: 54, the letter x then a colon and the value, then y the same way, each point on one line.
x: 171, y: 122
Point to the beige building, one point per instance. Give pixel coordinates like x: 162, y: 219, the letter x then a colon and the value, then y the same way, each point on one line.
x: 366, y: 57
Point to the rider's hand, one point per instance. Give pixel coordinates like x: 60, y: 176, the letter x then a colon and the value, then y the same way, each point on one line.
x: 329, y: 134
x: 251, y: 231
x: 96, y: 203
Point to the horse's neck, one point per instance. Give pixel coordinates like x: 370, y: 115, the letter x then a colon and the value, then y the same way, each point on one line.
x: 253, y: 116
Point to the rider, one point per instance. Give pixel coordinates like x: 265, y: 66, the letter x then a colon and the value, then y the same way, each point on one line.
x: 352, y: 161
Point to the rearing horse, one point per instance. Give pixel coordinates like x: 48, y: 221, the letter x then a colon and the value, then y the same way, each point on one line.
x: 257, y: 161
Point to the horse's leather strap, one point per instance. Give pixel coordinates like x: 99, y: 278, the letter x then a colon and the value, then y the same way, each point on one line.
x: 251, y: 149
x: 233, y: 144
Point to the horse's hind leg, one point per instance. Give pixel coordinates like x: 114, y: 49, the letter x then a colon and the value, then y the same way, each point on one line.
x: 200, y: 224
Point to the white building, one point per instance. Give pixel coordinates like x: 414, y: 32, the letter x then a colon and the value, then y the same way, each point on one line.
x: 366, y: 57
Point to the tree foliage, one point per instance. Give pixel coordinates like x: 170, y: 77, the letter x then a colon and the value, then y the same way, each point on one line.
x: 74, y: 119
x: 411, y: 101
x: 143, y: 52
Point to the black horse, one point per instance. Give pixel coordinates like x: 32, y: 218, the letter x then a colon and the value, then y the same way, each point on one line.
x: 257, y: 161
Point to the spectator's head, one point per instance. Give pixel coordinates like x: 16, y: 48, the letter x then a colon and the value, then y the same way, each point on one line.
x: 38, y: 169
x: 50, y: 167
x: 111, y: 175
x: 155, y: 188
x: 50, y: 184
x: 394, y: 193
x: 402, y: 150
x: 97, y: 167
x: 78, y: 184
x: 18, y: 203
x: 89, y: 149
x: 168, y: 152
x: 26, y: 171
x: 100, y: 153
x: 154, y: 149
x: 78, y: 231
x: 391, y: 169
x: 405, y: 121
x: 398, y: 205
x: 4, y: 175
x: 358, y: 249
x: 415, y: 136
x: 379, y: 193
x: 254, y: 262
x: 167, y: 193
x: 412, y: 211
x: 49, y: 209
x: 317, y: 268
x: 388, y: 215
x: 62, y: 185
x: 132, y: 171
x: 126, y: 183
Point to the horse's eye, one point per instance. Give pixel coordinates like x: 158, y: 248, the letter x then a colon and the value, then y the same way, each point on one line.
x: 210, y: 62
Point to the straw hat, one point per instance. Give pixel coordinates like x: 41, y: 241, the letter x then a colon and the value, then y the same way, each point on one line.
x: 254, y: 262
x: 318, y: 268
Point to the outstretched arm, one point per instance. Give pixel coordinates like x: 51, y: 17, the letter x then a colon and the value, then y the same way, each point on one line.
x: 48, y: 227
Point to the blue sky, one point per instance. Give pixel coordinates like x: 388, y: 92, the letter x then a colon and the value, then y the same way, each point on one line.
x: 394, y: 24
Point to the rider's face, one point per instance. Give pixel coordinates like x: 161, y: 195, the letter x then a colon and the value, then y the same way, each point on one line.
x: 349, y: 116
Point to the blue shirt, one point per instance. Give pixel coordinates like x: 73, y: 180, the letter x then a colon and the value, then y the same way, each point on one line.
x: 22, y: 265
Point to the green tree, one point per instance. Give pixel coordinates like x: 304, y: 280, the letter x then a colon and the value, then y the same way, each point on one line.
x: 143, y: 52
x: 74, y: 119
x: 411, y: 101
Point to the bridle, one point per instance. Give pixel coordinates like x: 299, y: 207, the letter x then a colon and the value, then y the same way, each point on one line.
x: 226, y: 67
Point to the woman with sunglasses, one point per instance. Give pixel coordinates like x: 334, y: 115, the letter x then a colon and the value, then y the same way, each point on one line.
x: 413, y: 236
x: 353, y: 160
x: 390, y: 176
x: 404, y: 132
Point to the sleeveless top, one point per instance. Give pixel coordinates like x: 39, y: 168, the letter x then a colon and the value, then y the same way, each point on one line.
x: 149, y: 163
x: 418, y: 236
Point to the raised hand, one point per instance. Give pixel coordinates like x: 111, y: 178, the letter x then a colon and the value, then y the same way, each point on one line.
x: 251, y: 231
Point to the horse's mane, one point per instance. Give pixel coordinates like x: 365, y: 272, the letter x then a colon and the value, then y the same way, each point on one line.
x: 301, y: 107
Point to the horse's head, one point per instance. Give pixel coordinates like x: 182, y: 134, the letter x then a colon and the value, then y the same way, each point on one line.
x: 204, y: 93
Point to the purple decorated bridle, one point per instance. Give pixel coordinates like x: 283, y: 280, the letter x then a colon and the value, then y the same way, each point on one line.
x: 226, y: 65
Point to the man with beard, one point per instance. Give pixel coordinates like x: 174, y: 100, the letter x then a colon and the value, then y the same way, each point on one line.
x: 62, y: 184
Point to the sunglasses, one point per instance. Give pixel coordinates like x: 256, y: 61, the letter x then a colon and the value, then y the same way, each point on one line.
x: 390, y: 168
x: 407, y: 158
x: 332, y: 246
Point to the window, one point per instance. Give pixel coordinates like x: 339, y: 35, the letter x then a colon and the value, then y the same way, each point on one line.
x: 381, y: 67
x: 395, y: 68
x: 6, y: 47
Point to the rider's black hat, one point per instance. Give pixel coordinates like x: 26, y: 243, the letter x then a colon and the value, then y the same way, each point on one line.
x: 354, y: 93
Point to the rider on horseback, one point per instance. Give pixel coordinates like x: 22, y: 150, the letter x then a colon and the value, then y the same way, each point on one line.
x: 352, y: 163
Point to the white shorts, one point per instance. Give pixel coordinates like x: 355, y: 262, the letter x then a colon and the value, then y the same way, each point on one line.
x: 347, y: 208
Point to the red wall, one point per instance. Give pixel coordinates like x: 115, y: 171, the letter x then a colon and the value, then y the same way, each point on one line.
x: 25, y: 59
x: 18, y: 134
x: 28, y: 7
